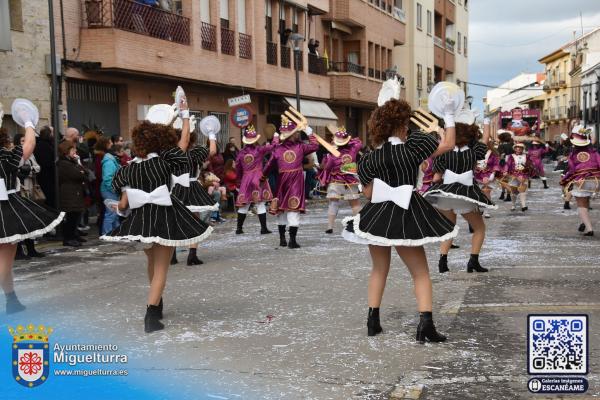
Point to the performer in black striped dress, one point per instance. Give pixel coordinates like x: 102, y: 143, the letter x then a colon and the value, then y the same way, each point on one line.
x: 397, y: 216
x: 157, y: 217
x: 187, y: 188
x: 20, y: 218
x: 458, y: 193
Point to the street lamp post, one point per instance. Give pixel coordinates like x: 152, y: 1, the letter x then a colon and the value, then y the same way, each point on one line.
x: 597, y: 72
x: 297, y: 39
x: 54, y: 99
x: 585, y: 115
x: 469, y: 101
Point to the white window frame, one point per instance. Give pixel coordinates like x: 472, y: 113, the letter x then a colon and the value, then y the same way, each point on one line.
x: 429, y: 22
x: 419, y: 16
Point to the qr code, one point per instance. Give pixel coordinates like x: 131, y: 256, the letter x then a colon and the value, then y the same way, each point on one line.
x: 557, y: 344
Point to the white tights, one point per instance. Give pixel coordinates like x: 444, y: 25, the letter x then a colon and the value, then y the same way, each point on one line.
x: 291, y: 218
x: 260, y: 208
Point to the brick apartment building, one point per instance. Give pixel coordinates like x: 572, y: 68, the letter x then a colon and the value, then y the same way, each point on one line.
x: 121, y: 56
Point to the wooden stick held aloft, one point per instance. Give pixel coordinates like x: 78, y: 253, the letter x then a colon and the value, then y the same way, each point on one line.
x: 424, y: 120
x: 301, y: 124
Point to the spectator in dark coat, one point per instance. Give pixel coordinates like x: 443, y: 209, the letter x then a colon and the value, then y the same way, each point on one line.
x: 230, y: 152
x: 71, y: 178
x: 216, y: 165
x: 44, y: 155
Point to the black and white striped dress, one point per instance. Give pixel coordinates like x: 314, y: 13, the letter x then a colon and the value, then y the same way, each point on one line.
x: 460, y: 161
x: 21, y: 218
x: 173, y: 225
x: 195, y: 197
x: 387, y: 224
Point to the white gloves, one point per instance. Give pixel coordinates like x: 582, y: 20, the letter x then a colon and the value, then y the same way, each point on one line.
x: 29, y: 124
x: 184, y: 114
x: 449, y: 109
x: 486, y: 121
x: 308, y: 130
x: 212, y: 136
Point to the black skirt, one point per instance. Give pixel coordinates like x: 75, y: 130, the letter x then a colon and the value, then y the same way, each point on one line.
x: 386, y: 224
x: 195, y: 197
x: 173, y: 225
x: 469, y: 194
x: 21, y: 219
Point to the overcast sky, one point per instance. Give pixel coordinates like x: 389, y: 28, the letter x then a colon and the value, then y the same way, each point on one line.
x: 508, y: 37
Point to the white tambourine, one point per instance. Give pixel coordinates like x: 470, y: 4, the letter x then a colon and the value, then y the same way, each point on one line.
x: 24, y: 111
x: 389, y: 90
x: 465, y: 116
x: 162, y: 114
x: 1, y: 114
x: 440, y: 94
x: 210, y: 125
x: 178, y: 123
x: 179, y: 94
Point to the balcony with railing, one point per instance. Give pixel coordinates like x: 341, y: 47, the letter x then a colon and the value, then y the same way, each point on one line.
x: 317, y: 65
x: 245, y: 42
x: 438, y: 41
x: 547, y: 85
x: 353, y: 83
x: 286, y: 59
x: 272, y: 53
x: 346, y: 66
x: 208, y: 34
x: 129, y: 15
x: 227, y: 41
x: 388, y: 22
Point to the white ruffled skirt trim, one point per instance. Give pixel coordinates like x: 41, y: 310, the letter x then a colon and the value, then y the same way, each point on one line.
x: 159, y: 240
x: 439, y: 193
x: 37, y: 233
x: 203, y: 208
x: 361, y: 237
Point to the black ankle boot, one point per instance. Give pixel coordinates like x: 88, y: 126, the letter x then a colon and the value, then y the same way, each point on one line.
x: 151, y: 320
x: 240, y: 223
x: 581, y: 228
x: 474, y: 265
x: 174, y: 257
x: 160, y: 309
x: 426, y: 329
x: 507, y: 198
x: 31, y: 251
x: 13, y: 305
x: 282, y: 241
x: 501, y: 196
x: 373, y: 324
x: 443, y: 263
x: 545, y: 184
x: 567, y: 205
x: 20, y: 255
x: 192, y: 259
x: 293, y: 232
x: 263, y: 224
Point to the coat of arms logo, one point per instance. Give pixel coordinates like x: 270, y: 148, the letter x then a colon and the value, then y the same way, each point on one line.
x: 30, y: 354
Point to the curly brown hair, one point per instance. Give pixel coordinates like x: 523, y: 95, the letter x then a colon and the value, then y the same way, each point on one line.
x: 65, y: 147
x: 505, y: 137
x: 102, y: 144
x: 152, y: 138
x: 385, y: 120
x: 466, y: 134
x: 4, y: 138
